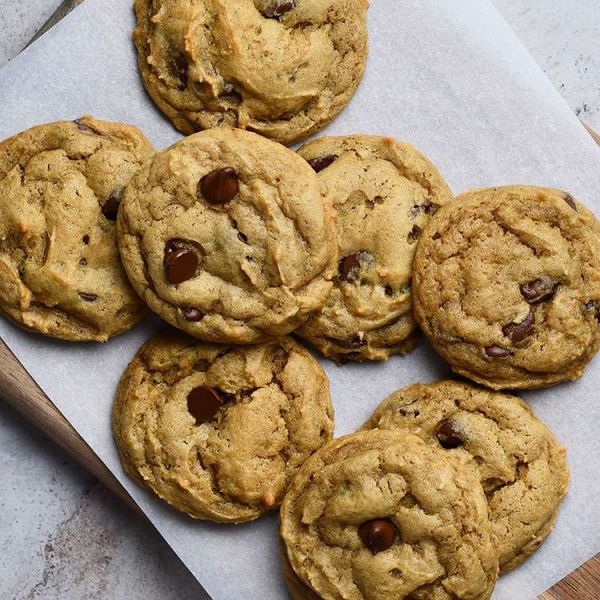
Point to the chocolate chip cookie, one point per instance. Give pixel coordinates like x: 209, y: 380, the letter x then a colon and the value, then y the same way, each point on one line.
x: 521, y: 466
x: 281, y: 68
x: 60, y: 187
x: 219, y: 431
x: 379, y: 515
x: 507, y: 286
x: 225, y: 236
x: 383, y: 192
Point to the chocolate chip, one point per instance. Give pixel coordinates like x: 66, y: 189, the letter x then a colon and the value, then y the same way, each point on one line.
x: 436, y: 236
x: 429, y: 208
x: 413, y: 235
x: 570, y: 201
x: 180, y: 64
x: 111, y: 206
x: 83, y: 262
x: 538, y: 290
x: 517, y: 332
x: 497, y: 352
x: 86, y: 239
x: 448, y: 434
x: 351, y: 343
x: 377, y: 535
x: 277, y: 8
x: 218, y: 186
x: 349, y: 266
x: 193, y: 314
x: 242, y: 237
x: 88, y: 297
x: 388, y: 291
x: 180, y: 264
x: 85, y: 128
x: 322, y: 162
x: 203, y: 403
x: 593, y: 305
x: 343, y: 359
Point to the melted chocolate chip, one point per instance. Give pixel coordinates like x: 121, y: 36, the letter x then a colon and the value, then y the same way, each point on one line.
x: 88, y: 297
x: 448, y: 434
x: 277, y: 8
x: 538, y: 290
x: 86, y: 239
x: 322, y: 162
x: 111, y: 206
x: 85, y: 128
x: 377, y: 535
x: 180, y: 264
x: 570, y: 201
x: 219, y: 186
x: 203, y: 403
x: 180, y: 66
x: 497, y: 352
x: 349, y: 266
x: 193, y: 314
x: 413, y: 235
x: 351, y: 344
x: 517, y: 332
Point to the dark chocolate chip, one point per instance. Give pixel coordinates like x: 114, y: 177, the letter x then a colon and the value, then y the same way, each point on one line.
x: 180, y: 264
x: 517, y: 332
x: 88, y: 297
x: 377, y: 535
x: 180, y: 64
x: 429, y: 208
x: 538, y: 290
x: 351, y: 343
x: 571, y: 202
x: 388, y: 291
x: 242, y: 237
x: 593, y: 305
x: 83, y: 262
x: 436, y: 236
x: 497, y: 352
x: 111, y: 206
x: 203, y: 403
x: 413, y: 235
x: 277, y: 8
x: 86, y: 239
x: 219, y: 186
x: 85, y: 128
x: 349, y: 266
x: 448, y: 434
x: 193, y: 314
x: 322, y: 162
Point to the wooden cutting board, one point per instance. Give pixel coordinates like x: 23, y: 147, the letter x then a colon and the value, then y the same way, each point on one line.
x: 20, y: 391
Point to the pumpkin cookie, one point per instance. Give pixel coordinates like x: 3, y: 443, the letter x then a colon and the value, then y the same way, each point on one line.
x: 60, y: 187
x: 507, y: 286
x: 219, y: 431
x: 383, y: 192
x: 521, y: 466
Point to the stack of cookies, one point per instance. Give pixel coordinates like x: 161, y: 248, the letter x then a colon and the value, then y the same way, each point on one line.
x: 352, y: 244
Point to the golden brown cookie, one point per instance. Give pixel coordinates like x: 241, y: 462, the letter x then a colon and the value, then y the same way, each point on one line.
x: 383, y: 193
x: 281, y: 68
x: 219, y: 431
x: 225, y: 236
x: 380, y: 515
x: 60, y: 187
x: 507, y: 286
x: 521, y: 466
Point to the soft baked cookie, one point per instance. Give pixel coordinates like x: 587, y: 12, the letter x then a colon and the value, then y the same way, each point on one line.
x: 380, y: 515
x: 60, y: 187
x: 281, y: 68
x: 219, y: 431
x: 521, y: 466
x: 383, y: 192
x: 507, y: 286
x: 225, y: 236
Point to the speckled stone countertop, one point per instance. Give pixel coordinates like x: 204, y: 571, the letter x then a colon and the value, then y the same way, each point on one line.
x: 63, y: 536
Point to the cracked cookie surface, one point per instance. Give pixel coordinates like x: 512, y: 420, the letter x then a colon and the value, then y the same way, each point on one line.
x: 230, y: 460
x: 383, y: 193
x: 225, y: 236
x: 60, y: 187
x: 507, y: 286
x: 521, y: 466
x: 380, y: 514
x: 281, y: 68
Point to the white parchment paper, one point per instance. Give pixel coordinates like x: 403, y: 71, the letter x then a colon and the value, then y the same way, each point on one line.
x: 448, y: 76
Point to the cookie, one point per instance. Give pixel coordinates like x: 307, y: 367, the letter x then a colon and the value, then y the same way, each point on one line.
x: 60, y: 186
x: 383, y: 192
x: 380, y: 514
x: 225, y: 236
x: 507, y: 286
x: 521, y: 466
x: 280, y: 68
x: 219, y: 431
